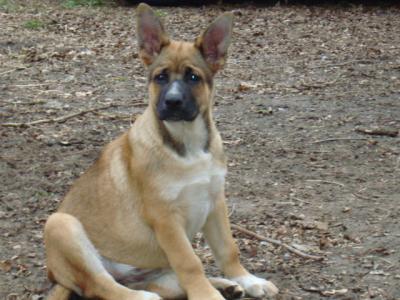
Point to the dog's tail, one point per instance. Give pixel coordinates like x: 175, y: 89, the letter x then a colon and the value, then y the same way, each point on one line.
x: 58, y: 292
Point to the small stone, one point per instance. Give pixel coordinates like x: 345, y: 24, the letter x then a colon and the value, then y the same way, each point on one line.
x: 321, y: 225
x: 346, y: 209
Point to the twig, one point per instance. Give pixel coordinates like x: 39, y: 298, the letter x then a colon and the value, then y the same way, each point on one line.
x: 30, y: 85
x: 57, y: 120
x: 300, y: 200
x: 19, y: 68
x: 322, y: 292
x: 342, y: 63
x: 317, y: 85
x: 113, y: 116
x: 6, y: 72
x: 232, y: 210
x: 339, y: 139
x: 326, y: 181
x: 50, y: 91
x: 379, y: 131
x: 276, y: 242
x: 360, y: 196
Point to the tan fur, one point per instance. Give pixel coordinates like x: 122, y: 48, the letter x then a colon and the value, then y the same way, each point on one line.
x: 58, y: 292
x: 137, y: 205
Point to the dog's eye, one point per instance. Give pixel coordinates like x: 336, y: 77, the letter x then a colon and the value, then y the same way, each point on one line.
x: 194, y: 78
x: 161, y: 78
x: 191, y: 77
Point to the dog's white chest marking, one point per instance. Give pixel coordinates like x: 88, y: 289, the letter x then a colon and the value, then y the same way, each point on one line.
x: 197, y: 193
x: 196, y: 189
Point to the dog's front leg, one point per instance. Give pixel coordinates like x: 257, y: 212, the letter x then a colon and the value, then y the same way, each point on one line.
x: 172, y: 238
x: 218, y: 234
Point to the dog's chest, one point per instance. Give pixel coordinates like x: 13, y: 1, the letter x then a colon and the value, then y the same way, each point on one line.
x: 195, y: 190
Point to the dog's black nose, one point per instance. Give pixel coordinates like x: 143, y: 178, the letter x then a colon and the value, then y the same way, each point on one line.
x: 173, y: 102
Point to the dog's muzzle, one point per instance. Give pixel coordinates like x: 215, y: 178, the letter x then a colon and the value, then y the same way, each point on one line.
x: 177, y: 103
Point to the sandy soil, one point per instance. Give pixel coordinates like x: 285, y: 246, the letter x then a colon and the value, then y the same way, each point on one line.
x: 308, y: 106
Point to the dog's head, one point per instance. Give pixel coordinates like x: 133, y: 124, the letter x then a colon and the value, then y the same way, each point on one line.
x: 181, y: 73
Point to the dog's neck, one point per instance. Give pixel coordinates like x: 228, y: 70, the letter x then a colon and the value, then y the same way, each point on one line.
x: 192, y: 136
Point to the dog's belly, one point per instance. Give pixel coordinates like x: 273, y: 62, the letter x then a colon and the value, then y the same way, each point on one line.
x: 124, y: 273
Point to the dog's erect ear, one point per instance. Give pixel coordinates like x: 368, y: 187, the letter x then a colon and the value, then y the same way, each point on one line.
x: 151, y: 35
x: 214, y: 42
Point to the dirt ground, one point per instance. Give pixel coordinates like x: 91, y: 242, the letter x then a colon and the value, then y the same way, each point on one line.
x: 308, y: 106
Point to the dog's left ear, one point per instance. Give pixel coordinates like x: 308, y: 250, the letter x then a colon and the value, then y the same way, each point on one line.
x: 214, y: 42
x: 151, y: 35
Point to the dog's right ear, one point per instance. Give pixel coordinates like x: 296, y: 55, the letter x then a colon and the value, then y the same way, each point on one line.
x: 151, y: 35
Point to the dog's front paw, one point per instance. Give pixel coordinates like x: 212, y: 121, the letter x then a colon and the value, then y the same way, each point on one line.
x: 256, y: 287
x: 228, y: 288
x: 232, y: 292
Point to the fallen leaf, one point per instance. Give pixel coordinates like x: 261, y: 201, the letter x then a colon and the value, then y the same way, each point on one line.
x: 6, y: 265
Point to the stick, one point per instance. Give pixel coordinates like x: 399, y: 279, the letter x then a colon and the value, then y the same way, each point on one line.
x: 6, y: 72
x: 30, y: 85
x: 357, y: 195
x: 379, y: 131
x: 275, y: 242
x: 339, y: 139
x: 318, y: 85
x: 326, y: 181
x: 342, y: 63
x: 299, y: 200
x: 57, y: 120
x: 12, y: 70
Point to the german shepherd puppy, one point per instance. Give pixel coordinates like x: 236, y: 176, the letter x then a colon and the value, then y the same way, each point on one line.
x: 131, y: 217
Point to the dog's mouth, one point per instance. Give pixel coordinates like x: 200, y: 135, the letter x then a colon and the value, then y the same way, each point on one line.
x: 177, y: 115
x: 174, y: 117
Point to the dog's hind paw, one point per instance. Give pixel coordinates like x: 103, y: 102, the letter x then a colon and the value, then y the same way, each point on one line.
x: 151, y: 296
x: 143, y: 295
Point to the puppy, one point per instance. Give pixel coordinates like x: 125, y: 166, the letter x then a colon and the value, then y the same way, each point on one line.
x: 131, y: 217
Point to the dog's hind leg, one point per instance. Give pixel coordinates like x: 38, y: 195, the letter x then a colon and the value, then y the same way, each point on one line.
x: 167, y: 287
x: 74, y: 263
